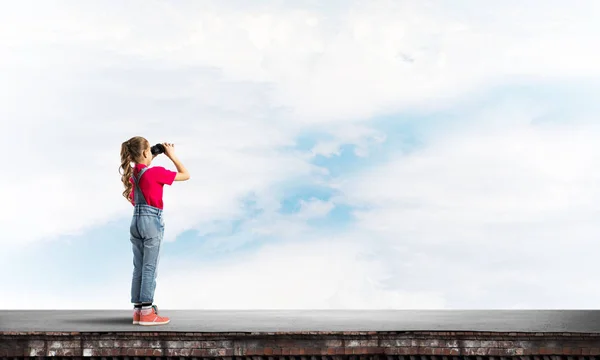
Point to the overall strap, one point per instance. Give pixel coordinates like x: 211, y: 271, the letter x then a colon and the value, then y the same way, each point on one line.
x: 138, y: 196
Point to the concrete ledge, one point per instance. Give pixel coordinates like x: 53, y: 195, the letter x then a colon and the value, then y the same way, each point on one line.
x: 266, y: 321
x: 311, y: 345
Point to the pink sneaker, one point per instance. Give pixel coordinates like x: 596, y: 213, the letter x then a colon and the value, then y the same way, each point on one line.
x: 150, y: 317
x: 136, y: 316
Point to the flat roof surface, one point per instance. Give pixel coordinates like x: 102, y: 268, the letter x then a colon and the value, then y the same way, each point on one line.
x: 306, y: 320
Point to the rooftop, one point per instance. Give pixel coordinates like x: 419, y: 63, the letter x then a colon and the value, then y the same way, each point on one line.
x: 573, y: 321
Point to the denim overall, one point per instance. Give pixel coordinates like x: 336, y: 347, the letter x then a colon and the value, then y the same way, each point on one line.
x: 147, y: 230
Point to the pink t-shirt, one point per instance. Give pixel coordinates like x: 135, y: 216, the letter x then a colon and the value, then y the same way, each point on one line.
x: 152, y: 182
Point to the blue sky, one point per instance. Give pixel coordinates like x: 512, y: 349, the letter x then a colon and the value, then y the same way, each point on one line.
x: 328, y: 171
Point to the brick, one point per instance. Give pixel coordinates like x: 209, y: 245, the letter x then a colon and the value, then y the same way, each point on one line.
x: 69, y: 352
x: 223, y: 344
x: 35, y: 352
x: 63, y: 344
x: 220, y: 352
x: 131, y: 343
x: 430, y: 343
x: 470, y: 351
x: 471, y: 343
x: 173, y: 344
x: 92, y: 352
x: 451, y: 343
x: 138, y: 352
x: 192, y: 345
x: 89, y: 344
x: 394, y: 343
x: 489, y: 344
x: 361, y: 343
x: 154, y: 344
x: 252, y: 343
x: 36, y: 343
x: 200, y: 352
x: 106, y: 343
x: 405, y: 351
x: 361, y: 350
x: 177, y: 352
x: 426, y: 351
x: 333, y: 343
x: 504, y: 352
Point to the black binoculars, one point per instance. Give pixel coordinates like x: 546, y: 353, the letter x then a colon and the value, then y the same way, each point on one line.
x: 157, y: 149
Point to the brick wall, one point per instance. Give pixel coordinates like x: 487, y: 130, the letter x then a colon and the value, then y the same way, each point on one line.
x: 304, y: 345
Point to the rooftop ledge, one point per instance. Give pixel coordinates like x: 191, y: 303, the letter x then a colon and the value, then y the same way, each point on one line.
x: 305, y: 334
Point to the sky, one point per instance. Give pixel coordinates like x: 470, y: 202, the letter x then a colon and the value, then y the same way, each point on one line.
x: 343, y: 154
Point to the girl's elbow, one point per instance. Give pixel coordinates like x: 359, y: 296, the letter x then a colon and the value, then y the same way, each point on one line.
x: 182, y: 176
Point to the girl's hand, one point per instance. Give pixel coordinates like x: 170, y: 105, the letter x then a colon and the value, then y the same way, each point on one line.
x: 169, y: 149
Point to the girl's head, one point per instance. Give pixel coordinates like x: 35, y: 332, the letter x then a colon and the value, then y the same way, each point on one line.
x: 134, y: 150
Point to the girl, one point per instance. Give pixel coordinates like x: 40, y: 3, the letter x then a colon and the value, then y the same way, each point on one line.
x: 144, y: 189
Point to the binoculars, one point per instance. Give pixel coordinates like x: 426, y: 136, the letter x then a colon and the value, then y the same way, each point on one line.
x: 157, y: 149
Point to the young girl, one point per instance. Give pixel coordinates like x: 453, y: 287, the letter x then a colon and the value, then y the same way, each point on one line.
x: 144, y: 189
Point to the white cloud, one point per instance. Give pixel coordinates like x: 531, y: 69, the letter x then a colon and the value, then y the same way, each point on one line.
x: 359, y: 135
x: 321, y: 274
x: 87, y: 76
x: 486, y: 209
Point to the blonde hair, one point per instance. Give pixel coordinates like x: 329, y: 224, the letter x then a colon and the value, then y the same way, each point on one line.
x: 131, y: 151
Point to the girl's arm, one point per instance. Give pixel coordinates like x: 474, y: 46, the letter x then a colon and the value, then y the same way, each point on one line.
x: 182, y: 173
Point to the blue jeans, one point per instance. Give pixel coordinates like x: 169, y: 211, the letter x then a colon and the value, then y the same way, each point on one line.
x: 147, y: 230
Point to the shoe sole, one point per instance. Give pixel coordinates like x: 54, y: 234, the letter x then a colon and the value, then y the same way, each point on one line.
x: 136, y: 322
x: 154, y: 323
